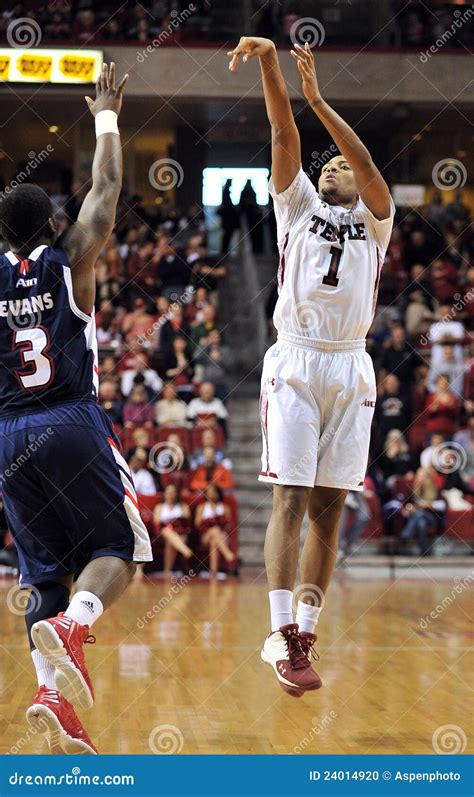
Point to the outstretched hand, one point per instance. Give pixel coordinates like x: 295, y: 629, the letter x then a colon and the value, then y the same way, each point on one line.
x: 108, y: 97
x: 249, y: 47
x: 307, y: 68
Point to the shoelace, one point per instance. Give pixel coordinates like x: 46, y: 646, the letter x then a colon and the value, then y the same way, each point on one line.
x: 296, y: 654
x: 308, y: 648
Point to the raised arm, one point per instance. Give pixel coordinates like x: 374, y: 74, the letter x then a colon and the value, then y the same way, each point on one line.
x: 286, y: 148
x: 84, y: 240
x: 370, y: 184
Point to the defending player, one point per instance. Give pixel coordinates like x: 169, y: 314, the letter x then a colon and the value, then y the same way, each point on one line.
x: 318, y: 384
x: 69, y: 497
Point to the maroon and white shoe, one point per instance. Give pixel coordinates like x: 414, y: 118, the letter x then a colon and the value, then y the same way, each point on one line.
x: 51, y: 714
x: 307, y: 644
x: 61, y: 640
x: 287, y: 652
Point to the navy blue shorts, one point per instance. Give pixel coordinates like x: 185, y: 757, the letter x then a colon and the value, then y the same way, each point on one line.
x: 68, y: 492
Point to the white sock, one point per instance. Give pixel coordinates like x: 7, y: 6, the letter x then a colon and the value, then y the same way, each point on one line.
x: 281, y: 607
x: 307, y: 616
x: 85, y: 608
x: 44, y: 670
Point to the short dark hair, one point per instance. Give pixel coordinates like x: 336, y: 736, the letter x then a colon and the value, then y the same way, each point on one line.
x: 24, y: 214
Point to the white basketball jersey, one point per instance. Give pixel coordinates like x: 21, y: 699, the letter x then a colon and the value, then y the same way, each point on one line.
x: 330, y: 264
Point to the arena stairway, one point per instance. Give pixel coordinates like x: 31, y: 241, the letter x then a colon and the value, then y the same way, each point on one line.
x: 255, y: 498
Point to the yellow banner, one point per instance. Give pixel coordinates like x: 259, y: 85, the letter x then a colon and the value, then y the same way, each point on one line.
x: 50, y: 66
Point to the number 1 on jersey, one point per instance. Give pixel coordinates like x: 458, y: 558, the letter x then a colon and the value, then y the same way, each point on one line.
x: 331, y: 277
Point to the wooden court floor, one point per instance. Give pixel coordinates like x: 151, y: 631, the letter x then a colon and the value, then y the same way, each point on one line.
x: 178, y: 670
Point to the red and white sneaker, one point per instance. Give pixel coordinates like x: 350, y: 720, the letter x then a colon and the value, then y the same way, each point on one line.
x: 51, y: 714
x: 287, y: 652
x: 61, y: 640
x: 307, y: 644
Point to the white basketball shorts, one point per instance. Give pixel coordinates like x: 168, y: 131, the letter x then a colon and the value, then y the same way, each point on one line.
x: 316, y: 406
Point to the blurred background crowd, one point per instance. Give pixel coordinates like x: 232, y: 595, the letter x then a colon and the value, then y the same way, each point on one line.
x: 411, y: 23
x: 167, y: 361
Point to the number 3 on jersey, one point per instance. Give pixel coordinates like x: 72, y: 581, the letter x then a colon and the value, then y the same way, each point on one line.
x: 37, y: 369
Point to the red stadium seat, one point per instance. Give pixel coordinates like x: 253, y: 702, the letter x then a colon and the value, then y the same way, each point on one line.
x: 460, y: 523
x: 417, y: 436
x: 162, y: 433
x: 197, y: 433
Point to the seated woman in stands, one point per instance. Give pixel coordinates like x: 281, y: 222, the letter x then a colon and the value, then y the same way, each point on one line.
x: 212, y: 522
x: 396, y: 459
x: 425, y: 511
x: 172, y: 520
x: 442, y: 408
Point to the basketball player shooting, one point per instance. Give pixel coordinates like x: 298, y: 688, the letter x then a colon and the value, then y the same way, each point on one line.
x: 318, y: 384
x: 70, y: 503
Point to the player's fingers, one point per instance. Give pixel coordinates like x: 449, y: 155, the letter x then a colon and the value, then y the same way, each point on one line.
x: 122, y: 84
x: 236, y: 50
x: 89, y: 101
x: 233, y: 64
x: 304, y: 52
x: 112, y: 76
x: 103, y: 78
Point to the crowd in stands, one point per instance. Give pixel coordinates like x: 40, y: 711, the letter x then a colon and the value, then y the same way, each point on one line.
x: 165, y: 368
x: 413, y: 23
x: 421, y: 467
x: 164, y: 382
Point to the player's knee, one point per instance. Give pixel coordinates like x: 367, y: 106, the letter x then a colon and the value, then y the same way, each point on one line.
x: 290, y: 502
x: 327, y: 501
x: 132, y: 569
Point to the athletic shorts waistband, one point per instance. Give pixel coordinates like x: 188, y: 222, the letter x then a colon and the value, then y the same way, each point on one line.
x: 321, y: 345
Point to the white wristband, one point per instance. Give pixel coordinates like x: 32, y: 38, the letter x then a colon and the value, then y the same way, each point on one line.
x: 106, y: 122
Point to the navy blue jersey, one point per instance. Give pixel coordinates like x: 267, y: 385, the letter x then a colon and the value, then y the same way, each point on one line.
x: 48, y: 348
